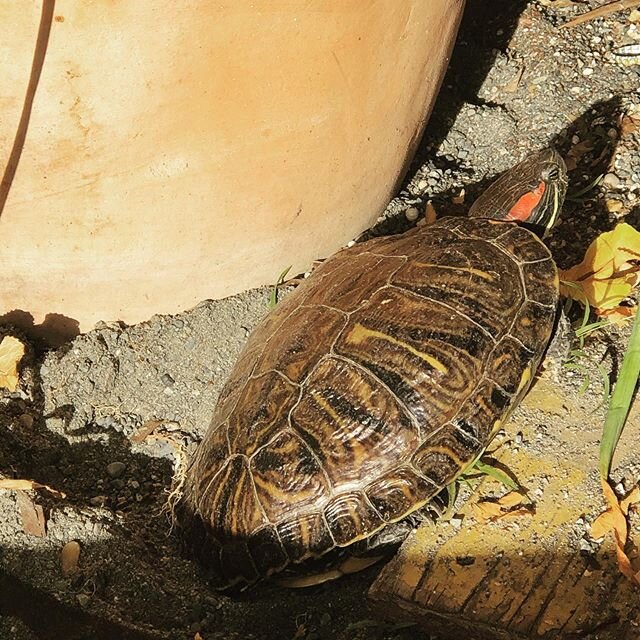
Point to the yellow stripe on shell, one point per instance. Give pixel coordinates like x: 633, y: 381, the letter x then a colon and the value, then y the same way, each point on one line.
x: 360, y: 333
x: 475, y: 272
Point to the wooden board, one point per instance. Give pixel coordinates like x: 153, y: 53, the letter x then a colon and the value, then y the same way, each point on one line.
x: 536, y: 576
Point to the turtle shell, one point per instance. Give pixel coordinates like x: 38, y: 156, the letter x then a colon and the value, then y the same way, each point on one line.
x: 368, y: 390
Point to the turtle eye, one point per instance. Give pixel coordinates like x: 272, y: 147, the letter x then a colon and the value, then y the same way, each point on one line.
x: 551, y: 174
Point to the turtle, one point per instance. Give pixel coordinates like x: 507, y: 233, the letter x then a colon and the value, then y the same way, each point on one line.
x: 372, y: 386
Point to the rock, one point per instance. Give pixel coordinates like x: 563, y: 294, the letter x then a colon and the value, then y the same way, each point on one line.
x: 167, y: 380
x: 612, y: 180
x: 412, y: 214
x: 116, y: 469
x: 26, y: 420
x: 83, y: 599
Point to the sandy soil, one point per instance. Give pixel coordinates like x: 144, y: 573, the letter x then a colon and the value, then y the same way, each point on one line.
x: 517, y: 83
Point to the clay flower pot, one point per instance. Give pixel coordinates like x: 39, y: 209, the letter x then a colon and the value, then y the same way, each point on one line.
x: 155, y: 154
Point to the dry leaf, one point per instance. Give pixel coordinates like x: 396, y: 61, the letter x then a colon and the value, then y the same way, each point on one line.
x: 146, y: 430
x: 601, y: 12
x: 614, y: 520
x: 31, y: 515
x: 11, y: 484
x: 514, y: 83
x: 510, y: 505
x: 576, y: 153
x: 608, y: 273
x: 11, y: 352
x: 629, y: 124
x: 69, y: 557
x: 430, y: 214
x: 557, y: 4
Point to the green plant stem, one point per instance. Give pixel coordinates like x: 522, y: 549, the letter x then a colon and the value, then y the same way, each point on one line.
x: 621, y: 399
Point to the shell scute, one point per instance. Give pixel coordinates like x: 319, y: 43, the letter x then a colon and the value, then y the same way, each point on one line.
x: 473, y: 277
x: 231, y: 502
x: 288, y: 477
x: 354, y: 281
x: 305, y: 343
x: 305, y: 535
x: 350, y: 517
x: 523, y: 245
x: 533, y: 325
x: 263, y: 408
x: 352, y: 426
x: 267, y: 551
x: 396, y: 493
x: 507, y: 362
x: 443, y: 456
x: 418, y: 348
x: 541, y: 282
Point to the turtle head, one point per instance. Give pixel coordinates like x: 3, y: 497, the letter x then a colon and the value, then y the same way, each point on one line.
x: 532, y: 192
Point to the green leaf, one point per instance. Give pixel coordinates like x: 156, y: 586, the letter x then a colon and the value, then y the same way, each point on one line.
x: 621, y: 400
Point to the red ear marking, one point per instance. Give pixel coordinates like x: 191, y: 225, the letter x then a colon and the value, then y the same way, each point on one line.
x: 525, y: 205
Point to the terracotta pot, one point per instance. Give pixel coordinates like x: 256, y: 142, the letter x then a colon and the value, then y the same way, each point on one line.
x: 170, y: 152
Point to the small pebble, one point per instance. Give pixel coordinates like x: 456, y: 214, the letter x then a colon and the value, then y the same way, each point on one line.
x: 613, y: 206
x: 167, y: 380
x: 116, y: 469
x: 83, y: 599
x: 412, y: 214
x: 612, y: 180
x: 69, y: 558
x: 98, y: 501
x: 26, y: 420
x: 587, y: 71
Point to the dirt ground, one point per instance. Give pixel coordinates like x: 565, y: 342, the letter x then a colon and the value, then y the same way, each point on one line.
x: 517, y: 83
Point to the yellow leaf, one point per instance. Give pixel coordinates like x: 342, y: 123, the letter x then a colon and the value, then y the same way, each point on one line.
x: 486, y: 510
x: 510, y: 505
x: 11, y: 352
x: 632, y: 498
x: 619, y: 315
x: 11, y: 484
x: 608, y: 273
x: 614, y: 521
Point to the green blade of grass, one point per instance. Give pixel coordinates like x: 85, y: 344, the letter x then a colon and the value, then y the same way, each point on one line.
x: 621, y: 399
x: 273, y: 298
x: 577, y: 196
x: 496, y: 474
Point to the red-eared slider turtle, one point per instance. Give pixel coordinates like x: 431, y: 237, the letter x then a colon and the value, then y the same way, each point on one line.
x: 374, y: 384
